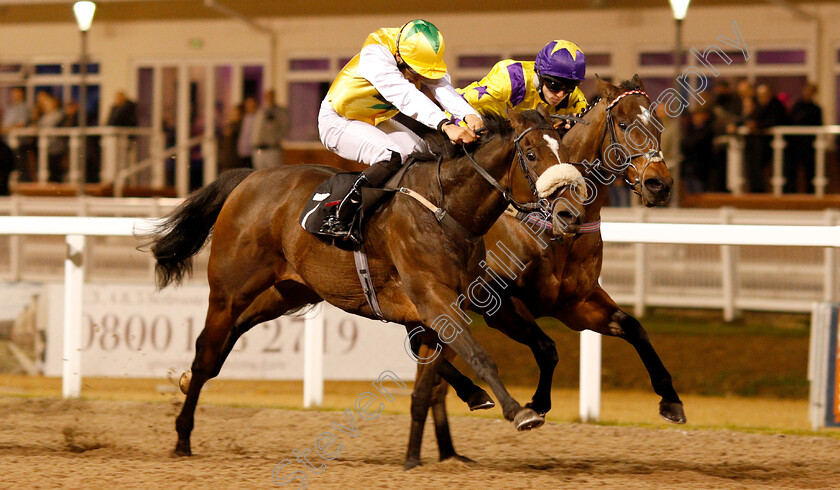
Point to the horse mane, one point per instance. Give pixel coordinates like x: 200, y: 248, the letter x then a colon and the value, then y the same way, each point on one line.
x: 628, y: 85
x: 495, y: 125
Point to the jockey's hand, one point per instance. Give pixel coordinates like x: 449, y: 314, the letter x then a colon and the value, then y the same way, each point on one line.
x: 458, y: 134
x: 474, y: 122
x: 564, y: 125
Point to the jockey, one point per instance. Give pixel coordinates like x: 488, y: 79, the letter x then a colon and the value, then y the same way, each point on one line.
x: 394, y: 71
x: 552, y: 80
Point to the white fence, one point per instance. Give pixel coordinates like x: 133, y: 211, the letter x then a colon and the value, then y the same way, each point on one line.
x: 76, y: 229
x: 735, y: 180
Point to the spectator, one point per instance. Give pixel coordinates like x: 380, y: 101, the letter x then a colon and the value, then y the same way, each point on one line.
x: 7, y: 164
x: 768, y: 112
x: 244, y: 147
x: 228, y: 158
x: 270, y: 128
x: 123, y: 112
x: 18, y: 115
x: 697, y: 151
x: 726, y: 112
x: 53, y: 117
x: 71, y: 114
x: 799, y: 166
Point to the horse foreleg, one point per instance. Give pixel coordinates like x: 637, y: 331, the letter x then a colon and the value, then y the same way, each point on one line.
x: 599, y: 313
x: 432, y: 301
x: 420, y: 400
x: 514, y: 320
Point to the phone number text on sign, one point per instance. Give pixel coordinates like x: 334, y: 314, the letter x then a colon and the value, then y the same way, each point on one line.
x: 133, y: 331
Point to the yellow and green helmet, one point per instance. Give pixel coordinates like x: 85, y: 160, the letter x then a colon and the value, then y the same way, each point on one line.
x: 420, y: 45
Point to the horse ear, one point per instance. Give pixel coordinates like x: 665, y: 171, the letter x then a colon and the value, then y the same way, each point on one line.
x: 607, y: 90
x: 638, y: 81
x: 514, y: 116
x: 544, y: 112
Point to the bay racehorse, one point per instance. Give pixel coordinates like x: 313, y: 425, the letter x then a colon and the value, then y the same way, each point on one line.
x: 560, y: 279
x: 263, y: 264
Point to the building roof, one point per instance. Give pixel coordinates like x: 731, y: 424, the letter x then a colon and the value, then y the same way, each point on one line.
x: 31, y: 11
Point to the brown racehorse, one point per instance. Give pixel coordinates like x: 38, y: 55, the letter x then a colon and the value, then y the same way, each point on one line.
x: 559, y: 280
x: 263, y: 264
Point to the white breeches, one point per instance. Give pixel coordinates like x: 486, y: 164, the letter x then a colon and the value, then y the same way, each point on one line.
x: 362, y: 142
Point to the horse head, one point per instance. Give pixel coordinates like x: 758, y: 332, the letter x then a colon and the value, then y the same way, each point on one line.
x: 558, y: 187
x: 630, y: 146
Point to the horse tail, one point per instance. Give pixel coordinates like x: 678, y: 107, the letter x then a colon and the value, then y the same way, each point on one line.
x: 185, y: 232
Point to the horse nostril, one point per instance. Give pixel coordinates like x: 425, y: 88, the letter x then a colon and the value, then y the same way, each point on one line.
x: 656, y: 185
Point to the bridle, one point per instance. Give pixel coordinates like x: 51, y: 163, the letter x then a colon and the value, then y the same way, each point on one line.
x: 652, y: 155
x: 541, y: 204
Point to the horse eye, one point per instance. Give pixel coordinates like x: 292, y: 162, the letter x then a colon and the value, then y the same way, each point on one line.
x: 622, y: 126
x: 531, y: 155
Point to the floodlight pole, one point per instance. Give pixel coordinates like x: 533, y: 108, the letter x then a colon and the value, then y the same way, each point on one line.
x: 81, y: 114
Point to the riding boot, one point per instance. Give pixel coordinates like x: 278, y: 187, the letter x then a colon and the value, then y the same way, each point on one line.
x: 374, y: 176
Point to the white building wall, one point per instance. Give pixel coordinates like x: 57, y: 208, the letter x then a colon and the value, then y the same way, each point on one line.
x: 625, y: 33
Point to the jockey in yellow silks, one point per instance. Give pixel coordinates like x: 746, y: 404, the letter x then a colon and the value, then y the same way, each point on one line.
x: 551, y: 80
x: 394, y: 72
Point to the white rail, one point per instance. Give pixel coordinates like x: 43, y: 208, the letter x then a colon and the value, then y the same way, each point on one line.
x: 77, y: 228
x: 735, y: 180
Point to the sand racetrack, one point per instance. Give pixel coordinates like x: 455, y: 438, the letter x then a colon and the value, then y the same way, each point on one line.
x: 48, y: 443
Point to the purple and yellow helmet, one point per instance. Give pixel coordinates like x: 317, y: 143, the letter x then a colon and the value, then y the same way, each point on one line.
x: 561, y: 59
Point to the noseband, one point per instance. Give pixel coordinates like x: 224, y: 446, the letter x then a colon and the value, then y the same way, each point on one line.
x: 651, y: 156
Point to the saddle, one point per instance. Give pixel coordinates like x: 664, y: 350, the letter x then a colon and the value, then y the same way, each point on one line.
x: 328, y: 194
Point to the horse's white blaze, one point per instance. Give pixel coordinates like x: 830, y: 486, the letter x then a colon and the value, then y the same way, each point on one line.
x: 645, y: 115
x: 554, y: 145
x: 559, y: 175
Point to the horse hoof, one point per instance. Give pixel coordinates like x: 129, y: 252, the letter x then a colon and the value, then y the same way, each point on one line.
x: 458, y: 457
x: 411, y: 463
x: 672, y: 412
x: 184, y: 382
x: 537, y: 407
x: 181, y: 453
x: 527, y: 419
x: 480, y: 400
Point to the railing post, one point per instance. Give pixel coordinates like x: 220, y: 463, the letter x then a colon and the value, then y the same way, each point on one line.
x: 75, y: 172
x: 43, y: 165
x: 159, y: 166
x: 74, y: 281
x: 820, y: 179
x: 110, y: 152
x: 735, y: 165
x: 778, y: 179
x: 729, y: 272
x: 313, y: 358
x: 590, y: 376
x: 15, y: 243
x: 830, y: 263
x: 640, y: 278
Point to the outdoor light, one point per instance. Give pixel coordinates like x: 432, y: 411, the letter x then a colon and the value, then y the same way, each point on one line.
x: 679, y: 7
x: 84, y: 14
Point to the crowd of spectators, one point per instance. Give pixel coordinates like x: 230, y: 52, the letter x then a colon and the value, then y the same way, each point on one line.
x: 748, y: 110
x: 48, y: 112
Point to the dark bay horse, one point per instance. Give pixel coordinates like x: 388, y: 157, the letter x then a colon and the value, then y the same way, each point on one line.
x: 263, y: 264
x: 559, y: 279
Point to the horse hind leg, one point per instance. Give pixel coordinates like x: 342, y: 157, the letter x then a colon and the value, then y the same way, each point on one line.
x: 599, y: 313
x: 216, y: 341
x: 442, y: 433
